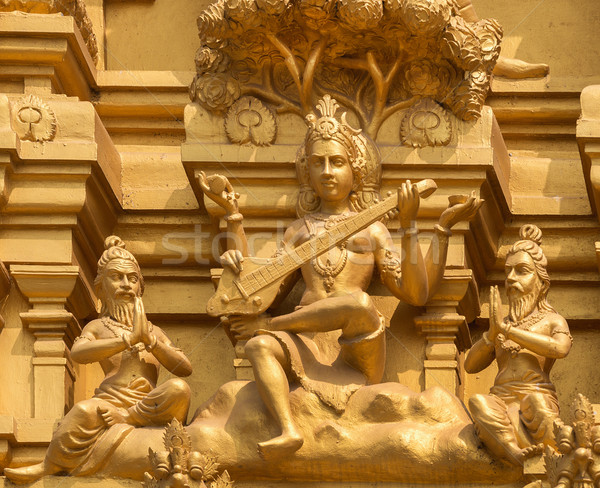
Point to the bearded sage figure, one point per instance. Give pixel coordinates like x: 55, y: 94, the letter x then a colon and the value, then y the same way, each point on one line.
x: 130, y: 350
x: 516, y: 419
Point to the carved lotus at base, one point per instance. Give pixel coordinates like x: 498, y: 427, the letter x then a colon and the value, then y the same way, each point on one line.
x: 426, y: 124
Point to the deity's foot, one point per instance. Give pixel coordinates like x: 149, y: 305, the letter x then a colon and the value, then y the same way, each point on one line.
x: 28, y: 474
x: 280, y: 446
x: 529, y: 452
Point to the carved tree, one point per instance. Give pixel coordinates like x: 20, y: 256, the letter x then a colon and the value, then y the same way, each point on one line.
x: 374, y: 56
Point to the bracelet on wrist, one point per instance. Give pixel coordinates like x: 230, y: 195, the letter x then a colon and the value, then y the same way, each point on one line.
x: 236, y: 217
x: 487, y: 341
x: 444, y: 230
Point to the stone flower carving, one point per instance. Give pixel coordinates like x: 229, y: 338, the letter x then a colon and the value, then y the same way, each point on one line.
x: 425, y: 17
x: 215, y: 92
x: 273, y: 7
x: 250, y: 121
x: 209, y: 60
x: 362, y: 14
x: 426, y: 124
x: 376, y: 56
x: 421, y: 78
x: 316, y: 13
x: 242, y: 11
x: 460, y: 44
x: 489, y: 33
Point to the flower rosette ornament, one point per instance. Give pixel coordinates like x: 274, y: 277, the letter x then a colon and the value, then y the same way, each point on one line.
x: 489, y: 33
x: 272, y: 7
x: 244, y: 12
x: 211, y: 22
x: 360, y: 14
x: 425, y: 17
x: 421, y: 78
x: 467, y: 100
x: 316, y: 14
x: 461, y: 45
x: 209, y: 60
x: 216, y: 92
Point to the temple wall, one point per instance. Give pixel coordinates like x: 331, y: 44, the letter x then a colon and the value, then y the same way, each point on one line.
x: 59, y: 199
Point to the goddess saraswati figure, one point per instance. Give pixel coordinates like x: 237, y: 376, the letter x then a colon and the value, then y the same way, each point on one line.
x: 130, y: 350
x: 339, y: 171
x: 516, y: 419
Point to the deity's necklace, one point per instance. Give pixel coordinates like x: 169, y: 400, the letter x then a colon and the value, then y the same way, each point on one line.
x: 524, y: 324
x: 329, y: 270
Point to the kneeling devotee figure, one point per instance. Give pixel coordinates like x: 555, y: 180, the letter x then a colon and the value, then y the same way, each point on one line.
x: 130, y: 350
x: 339, y: 169
x: 516, y: 419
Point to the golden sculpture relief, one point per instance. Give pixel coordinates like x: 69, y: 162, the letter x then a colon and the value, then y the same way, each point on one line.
x: 516, y: 420
x: 33, y: 120
x: 376, y: 58
x: 74, y: 8
x: 577, y: 462
x: 130, y: 350
x: 178, y: 466
x: 336, y: 247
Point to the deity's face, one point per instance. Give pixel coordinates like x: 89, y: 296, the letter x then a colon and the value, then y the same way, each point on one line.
x: 330, y: 170
x: 521, y: 276
x: 121, y: 281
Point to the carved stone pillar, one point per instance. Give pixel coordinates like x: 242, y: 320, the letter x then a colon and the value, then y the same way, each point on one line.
x: 446, y: 331
x: 47, y: 288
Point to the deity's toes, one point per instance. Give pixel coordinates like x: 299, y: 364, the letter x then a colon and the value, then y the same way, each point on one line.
x: 280, y: 446
x: 28, y: 474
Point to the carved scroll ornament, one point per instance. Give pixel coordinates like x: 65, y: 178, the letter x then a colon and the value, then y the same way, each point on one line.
x: 374, y: 57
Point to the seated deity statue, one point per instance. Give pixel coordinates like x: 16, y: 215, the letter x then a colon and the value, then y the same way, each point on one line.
x: 339, y: 169
x: 516, y: 419
x: 130, y: 351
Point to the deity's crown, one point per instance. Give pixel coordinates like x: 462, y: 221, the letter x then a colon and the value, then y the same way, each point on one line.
x: 329, y: 127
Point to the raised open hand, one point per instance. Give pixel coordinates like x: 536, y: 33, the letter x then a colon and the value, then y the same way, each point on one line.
x: 463, y: 210
x: 408, y: 203
x: 220, y: 191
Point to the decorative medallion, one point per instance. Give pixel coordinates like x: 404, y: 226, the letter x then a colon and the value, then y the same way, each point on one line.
x: 426, y: 124
x: 33, y: 120
x: 250, y: 121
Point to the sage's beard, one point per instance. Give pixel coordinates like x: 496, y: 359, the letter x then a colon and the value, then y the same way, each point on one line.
x: 521, y: 307
x: 119, y: 310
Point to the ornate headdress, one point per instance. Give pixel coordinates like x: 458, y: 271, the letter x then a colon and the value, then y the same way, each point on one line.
x: 115, y: 249
x: 530, y: 242
x: 362, y: 152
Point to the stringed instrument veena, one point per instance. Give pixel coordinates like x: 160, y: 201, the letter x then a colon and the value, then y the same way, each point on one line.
x: 254, y: 289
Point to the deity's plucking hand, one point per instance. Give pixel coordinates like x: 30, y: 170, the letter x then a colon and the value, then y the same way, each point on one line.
x: 516, y: 419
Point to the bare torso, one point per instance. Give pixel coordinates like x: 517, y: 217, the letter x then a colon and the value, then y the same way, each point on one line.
x: 122, y: 368
x: 527, y: 365
x: 357, y: 262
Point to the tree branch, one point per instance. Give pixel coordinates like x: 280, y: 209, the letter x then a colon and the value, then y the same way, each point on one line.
x: 309, y: 72
x: 290, y: 62
x: 283, y: 104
